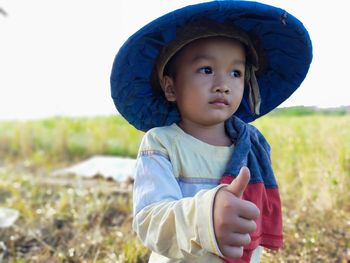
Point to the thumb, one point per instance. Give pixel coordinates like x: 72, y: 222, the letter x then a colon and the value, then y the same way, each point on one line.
x: 239, y: 184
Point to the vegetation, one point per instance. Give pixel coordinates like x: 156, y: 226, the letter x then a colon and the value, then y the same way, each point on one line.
x: 69, y: 219
x: 50, y: 141
x: 310, y: 110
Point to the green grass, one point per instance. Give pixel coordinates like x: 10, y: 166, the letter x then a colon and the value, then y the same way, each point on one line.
x: 59, y: 139
x: 79, y: 220
x: 311, y: 157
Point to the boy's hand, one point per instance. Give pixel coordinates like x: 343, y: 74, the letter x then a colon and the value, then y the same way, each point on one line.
x: 234, y: 217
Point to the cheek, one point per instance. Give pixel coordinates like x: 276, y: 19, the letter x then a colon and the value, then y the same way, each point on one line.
x: 237, y: 95
x: 190, y: 87
x: 191, y: 82
x: 237, y: 87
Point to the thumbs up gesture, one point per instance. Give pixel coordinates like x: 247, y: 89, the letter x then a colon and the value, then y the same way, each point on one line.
x: 234, y: 217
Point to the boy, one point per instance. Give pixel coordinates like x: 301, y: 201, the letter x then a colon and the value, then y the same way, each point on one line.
x: 193, y: 79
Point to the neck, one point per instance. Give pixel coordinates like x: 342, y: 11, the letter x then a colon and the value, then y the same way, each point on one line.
x: 212, y: 134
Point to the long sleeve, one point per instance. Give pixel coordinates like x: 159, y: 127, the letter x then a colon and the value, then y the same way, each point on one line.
x: 165, y: 221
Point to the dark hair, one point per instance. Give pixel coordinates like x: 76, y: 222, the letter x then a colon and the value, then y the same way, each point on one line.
x: 170, y: 67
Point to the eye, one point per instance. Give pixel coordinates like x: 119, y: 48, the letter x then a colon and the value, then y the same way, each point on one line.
x: 236, y: 73
x: 205, y: 70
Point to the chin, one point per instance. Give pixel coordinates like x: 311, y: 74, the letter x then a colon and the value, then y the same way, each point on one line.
x: 216, y: 121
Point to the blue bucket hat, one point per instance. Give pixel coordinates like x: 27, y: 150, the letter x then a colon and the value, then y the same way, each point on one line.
x: 283, y: 50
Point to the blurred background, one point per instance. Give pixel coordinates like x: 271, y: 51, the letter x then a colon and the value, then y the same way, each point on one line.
x: 56, y: 112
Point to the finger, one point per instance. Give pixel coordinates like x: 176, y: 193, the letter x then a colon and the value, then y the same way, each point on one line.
x: 232, y: 251
x: 248, y: 210
x: 243, y: 226
x: 239, y: 184
x: 237, y: 239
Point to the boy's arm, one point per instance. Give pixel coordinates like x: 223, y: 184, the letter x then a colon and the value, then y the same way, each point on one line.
x: 166, y: 222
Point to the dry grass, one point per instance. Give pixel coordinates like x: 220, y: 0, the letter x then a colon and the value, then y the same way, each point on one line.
x: 73, y: 220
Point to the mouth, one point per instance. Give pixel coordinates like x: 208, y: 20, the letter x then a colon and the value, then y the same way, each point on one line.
x: 219, y: 102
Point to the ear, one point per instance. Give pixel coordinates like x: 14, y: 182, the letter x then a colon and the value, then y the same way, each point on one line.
x: 168, y: 87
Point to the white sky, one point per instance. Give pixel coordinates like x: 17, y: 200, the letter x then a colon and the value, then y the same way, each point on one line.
x: 56, y: 55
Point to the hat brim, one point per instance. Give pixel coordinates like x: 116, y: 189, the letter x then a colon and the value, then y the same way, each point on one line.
x: 284, y: 40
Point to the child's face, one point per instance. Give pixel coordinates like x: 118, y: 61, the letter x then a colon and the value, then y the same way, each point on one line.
x: 209, y: 82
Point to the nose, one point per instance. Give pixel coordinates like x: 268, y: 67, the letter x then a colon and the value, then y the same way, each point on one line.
x: 222, y: 89
x: 220, y: 85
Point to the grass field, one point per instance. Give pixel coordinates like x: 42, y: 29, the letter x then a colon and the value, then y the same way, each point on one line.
x: 80, y: 220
